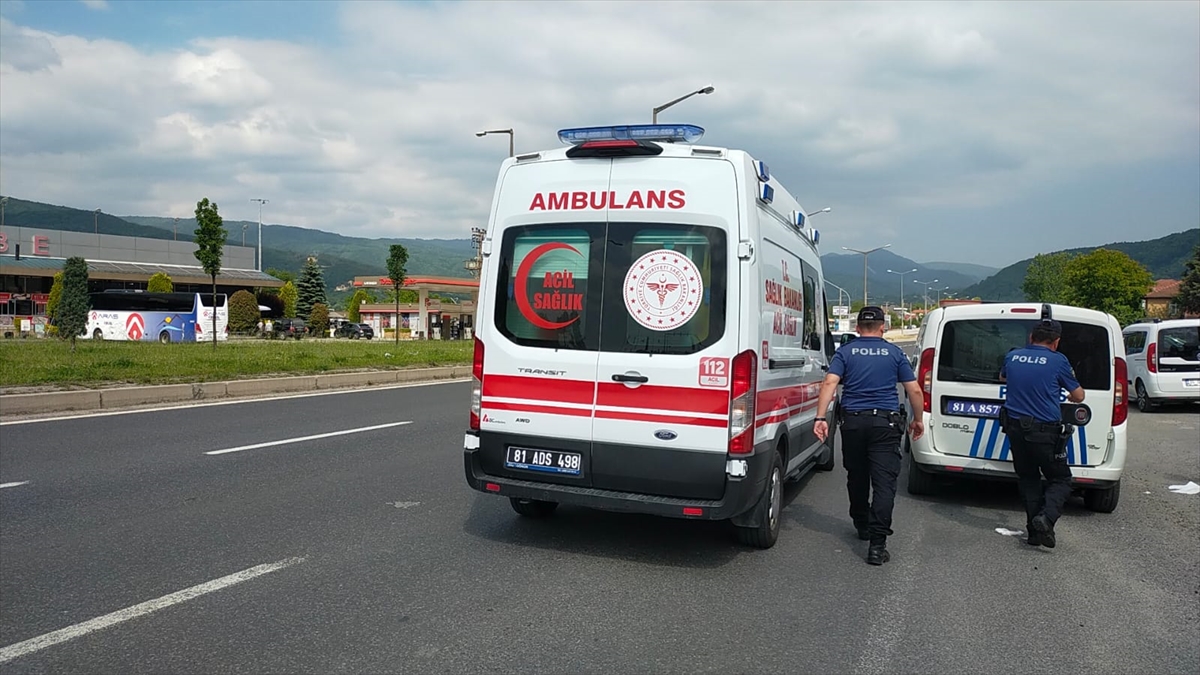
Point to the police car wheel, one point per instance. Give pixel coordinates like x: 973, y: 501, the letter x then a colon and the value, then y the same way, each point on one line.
x: 920, y: 482
x: 532, y: 508
x: 1103, y: 500
x: 769, y: 506
x: 1144, y: 403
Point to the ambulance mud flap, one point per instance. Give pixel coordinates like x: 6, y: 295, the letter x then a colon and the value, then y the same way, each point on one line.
x: 755, y: 484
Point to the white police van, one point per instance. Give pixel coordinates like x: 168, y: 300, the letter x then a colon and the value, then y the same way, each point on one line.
x: 1164, y: 361
x: 651, y: 332
x: 961, y: 349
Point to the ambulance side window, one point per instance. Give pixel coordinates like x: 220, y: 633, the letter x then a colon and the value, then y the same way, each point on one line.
x: 812, y: 327
x: 544, y: 297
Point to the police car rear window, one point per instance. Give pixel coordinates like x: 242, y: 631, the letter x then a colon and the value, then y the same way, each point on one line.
x: 973, y: 350
x: 1179, y: 343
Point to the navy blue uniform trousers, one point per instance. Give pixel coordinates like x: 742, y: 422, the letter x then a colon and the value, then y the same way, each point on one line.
x: 871, y: 456
x: 1037, y: 452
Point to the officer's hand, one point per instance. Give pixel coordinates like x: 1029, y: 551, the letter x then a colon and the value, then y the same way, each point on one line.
x: 821, y: 429
x: 916, y: 429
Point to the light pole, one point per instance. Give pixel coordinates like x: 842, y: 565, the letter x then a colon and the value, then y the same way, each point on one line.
x: 827, y: 209
x: 707, y: 90
x: 96, y: 220
x: 864, y: 255
x: 244, y: 225
x: 840, y: 291
x: 176, y: 228
x: 902, y: 282
x: 260, y: 205
x: 939, y: 292
x: 926, y: 284
x: 3, y: 201
x: 511, y: 137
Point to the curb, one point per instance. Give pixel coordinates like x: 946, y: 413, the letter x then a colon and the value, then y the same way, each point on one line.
x: 124, y: 397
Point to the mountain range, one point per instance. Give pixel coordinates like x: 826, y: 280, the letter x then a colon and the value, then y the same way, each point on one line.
x: 342, y: 257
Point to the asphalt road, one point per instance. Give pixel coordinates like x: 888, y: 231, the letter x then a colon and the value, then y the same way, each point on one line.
x: 387, y: 562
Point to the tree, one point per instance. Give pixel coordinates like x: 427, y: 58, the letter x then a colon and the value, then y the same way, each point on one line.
x: 1046, y: 280
x: 56, y: 290
x: 210, y: 245
x: 397, y: 272
x: 318, y: 319
x: 310, y: 289
x: 1189, y: 289
x: 1109, y: 281
x: 160, y: 283
x: 243, y: 312
x: 282, y: 275
x: 287, y: 294
x: 73, y: 309
x: 270, y: 298
x: 355, y: 304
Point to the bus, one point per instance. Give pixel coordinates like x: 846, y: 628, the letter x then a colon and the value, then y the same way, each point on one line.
x: 166, y: 317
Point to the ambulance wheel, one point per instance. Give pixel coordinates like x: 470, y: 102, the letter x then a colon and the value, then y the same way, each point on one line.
x: 532, y: 508
x: 920, y: 482
x: 1144, y: 402
x: 97, y: 334
x: 769, y: 508
x: 1103, y: 500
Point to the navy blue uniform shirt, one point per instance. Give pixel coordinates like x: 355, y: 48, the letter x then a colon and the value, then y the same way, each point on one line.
x: 1035, y: 377
x: 870, y: 367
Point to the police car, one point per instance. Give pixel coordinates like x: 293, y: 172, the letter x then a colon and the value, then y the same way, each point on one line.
x: 1164, y: 361
x: 651, y: 332
x: 961, y: 349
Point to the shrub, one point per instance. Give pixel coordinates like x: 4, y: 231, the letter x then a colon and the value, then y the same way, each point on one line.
x: 73, y: 308
x: 318, y: 319
x: 270, y: 298
x: 55, y: 295
x: 159, y: 282
x: 243, y: 312
x: 288, y: 295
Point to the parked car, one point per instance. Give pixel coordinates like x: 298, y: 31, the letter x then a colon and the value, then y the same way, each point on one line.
x: 354, y: 331
x: 290, y: 328
x: 1164, y: 361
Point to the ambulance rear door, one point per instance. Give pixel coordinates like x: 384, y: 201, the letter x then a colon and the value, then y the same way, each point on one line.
x: 668, y: 331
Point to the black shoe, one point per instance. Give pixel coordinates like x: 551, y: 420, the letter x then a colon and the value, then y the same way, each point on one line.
x: 1034, y: 539
x: 877, y: 555
x: 1045, y: 530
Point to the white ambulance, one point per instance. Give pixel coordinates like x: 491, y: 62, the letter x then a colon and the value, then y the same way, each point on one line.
x: 960, y: 351
x: 651, y: 332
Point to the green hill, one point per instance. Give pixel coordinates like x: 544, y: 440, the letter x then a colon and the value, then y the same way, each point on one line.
x: 976, y: 272
x: 1164, y: 257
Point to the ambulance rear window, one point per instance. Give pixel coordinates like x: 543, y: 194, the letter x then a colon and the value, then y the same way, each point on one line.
x: 973, y: 350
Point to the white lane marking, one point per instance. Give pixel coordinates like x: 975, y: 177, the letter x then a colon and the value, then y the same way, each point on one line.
x: 80, y: 629
x: 301, y: 439
x: 233, y: 401
x: 17, y: 484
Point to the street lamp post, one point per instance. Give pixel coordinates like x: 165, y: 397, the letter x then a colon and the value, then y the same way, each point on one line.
x: 511, y: 137
x: 840, y: 291
x: 96, y: 220
x: 260, y: 205
x: 827, y: 209
x: 864, y: 255
x: 939, y: 294
x: 3, y: 201
x: 902, y: 283
x: 177, y: 228
x: 926, y: 284
x: 668, y: 104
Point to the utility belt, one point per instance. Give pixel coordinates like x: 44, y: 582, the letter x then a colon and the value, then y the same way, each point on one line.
x: 1028, y: 424
x: 892, y: 416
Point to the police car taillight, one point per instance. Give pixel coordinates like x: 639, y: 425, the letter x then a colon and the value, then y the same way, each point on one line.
x: 476, y: 384
x: 925, y: 377
x: 744, y: 389
x: 1152, y: 357
x: 1121, y: 393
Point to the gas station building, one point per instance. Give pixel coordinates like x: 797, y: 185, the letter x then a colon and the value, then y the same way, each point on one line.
x: 428, y: 318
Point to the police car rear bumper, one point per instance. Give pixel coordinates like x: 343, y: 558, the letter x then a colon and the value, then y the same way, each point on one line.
x: 934, y: 462
x: 741, y: 492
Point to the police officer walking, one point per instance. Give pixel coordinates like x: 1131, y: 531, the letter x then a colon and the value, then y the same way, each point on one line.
x: 1032, y: 420
x: 872, y: 425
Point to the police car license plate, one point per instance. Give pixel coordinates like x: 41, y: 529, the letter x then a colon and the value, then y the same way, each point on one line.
x: 966, y: 407
x: 1191, y: 383
x: 544, y: 461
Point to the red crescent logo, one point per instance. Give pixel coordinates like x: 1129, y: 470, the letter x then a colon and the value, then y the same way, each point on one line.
x: 521, y: 284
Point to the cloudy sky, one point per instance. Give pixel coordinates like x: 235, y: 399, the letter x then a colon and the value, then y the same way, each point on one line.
x: 971, y: 132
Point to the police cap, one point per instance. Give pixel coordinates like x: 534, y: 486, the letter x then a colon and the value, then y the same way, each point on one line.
x: 870, y: 314
x: 1051, y: 326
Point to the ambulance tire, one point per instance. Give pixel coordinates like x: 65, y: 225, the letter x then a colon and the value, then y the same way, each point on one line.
x: 920, y: 482
x: 1103, y: 500
x: 769, y: 508
x: 532, y: 508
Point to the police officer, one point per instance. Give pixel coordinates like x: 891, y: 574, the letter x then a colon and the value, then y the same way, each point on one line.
x: 1032, y: 420
x: 872, y: 424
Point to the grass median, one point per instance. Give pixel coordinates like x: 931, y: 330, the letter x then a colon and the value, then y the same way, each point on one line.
x: 50, y: 363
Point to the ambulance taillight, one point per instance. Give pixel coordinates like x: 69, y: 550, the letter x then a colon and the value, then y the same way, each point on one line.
x: 476, y: 385
x: 743, y: 391
x: 925, y: 377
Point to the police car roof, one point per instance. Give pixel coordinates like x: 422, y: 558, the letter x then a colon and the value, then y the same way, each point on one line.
x: 1021, y: 310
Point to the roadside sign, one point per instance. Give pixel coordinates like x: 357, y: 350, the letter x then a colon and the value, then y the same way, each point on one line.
x: 841, y: 310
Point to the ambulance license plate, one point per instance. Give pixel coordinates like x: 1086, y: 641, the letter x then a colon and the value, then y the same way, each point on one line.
x: 544, y: 461
x: 1191, y: 383
x: 965, y: 407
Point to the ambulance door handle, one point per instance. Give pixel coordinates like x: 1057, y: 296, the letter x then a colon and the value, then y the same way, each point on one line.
x: 629, y: 378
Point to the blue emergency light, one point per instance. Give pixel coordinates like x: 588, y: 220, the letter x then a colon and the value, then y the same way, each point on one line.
x: 669, y: 133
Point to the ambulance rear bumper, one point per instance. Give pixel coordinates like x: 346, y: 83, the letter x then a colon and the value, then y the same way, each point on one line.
x: 741, y: 493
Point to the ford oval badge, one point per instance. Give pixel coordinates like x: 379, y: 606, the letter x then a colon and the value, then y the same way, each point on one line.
x: 665, y: 435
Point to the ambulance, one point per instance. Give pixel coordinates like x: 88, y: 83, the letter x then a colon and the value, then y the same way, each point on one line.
x: 960, y: 351
x: 651, y: 332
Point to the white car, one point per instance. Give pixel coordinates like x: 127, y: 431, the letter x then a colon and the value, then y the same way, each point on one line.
x: 960, y: 351
x: 1164, y: 361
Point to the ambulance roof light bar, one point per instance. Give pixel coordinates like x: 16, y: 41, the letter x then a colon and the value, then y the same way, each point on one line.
x: 669, y: 133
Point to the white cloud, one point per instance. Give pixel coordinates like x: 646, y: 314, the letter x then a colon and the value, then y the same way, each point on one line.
x: 886, y: 111
x: 95, y: 4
